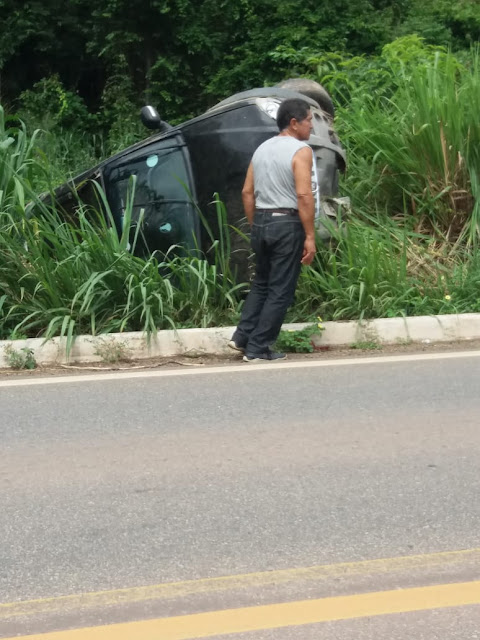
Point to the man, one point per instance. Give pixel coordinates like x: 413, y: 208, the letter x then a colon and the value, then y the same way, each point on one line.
x: 279, y: 205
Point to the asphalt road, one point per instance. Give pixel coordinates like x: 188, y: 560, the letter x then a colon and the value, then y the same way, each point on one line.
x: 120, y: 482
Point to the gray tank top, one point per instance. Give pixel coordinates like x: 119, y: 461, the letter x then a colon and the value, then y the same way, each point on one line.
x: 272, y: 173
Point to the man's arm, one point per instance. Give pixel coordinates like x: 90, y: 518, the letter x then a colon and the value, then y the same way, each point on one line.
x: 302, y: 172
x: 248, y: 195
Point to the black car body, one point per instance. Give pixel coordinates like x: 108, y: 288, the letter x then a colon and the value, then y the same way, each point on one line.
x: 179, y: 169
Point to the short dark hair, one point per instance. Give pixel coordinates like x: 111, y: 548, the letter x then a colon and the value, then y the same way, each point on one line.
x: 291, y: 108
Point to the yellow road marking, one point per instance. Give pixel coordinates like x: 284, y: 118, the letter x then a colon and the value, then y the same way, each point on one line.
x: 275, y: 616
x: 171, y: 590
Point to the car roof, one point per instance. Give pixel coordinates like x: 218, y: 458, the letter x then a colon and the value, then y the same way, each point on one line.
x: 232, y: 102
x: 264, y: 92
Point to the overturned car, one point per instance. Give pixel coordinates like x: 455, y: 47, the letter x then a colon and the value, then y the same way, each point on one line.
x: 179, y: 169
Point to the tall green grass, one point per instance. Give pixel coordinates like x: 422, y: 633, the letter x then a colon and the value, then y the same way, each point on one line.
x: 383, y: 268
x: 417, y: 153
x: 413, y: 148
x: 410, y: 247
x: 66, y: 276
x: 60, y: 278
x: 16, y: 163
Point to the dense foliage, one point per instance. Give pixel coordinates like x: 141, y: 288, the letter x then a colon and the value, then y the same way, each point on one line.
x: 88, y: 65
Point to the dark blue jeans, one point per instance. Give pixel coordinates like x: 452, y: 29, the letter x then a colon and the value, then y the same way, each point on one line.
x: 277, y: 241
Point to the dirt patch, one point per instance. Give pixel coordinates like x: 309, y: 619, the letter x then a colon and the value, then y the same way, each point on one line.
x: 197, y: 360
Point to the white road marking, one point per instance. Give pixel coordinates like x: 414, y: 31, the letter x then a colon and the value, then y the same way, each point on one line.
x: 241, y: 367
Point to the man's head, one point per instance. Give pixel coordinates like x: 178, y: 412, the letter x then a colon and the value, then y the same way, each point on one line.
x: 295, y: 116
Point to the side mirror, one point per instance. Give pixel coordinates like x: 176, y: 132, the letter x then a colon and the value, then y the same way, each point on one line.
x: 151, y: 119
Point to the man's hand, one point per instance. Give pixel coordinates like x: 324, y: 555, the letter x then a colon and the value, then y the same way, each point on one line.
x: 309, y: 250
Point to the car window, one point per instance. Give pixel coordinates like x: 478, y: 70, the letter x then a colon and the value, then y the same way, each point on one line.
x: 162, y: 201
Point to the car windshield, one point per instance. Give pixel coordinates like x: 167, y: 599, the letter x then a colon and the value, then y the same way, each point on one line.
x: 162, y: 202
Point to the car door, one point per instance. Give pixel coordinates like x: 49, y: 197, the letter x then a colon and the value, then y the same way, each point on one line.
x: 163, y: 217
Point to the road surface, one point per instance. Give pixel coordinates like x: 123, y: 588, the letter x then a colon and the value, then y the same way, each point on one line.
x: 159, y: 497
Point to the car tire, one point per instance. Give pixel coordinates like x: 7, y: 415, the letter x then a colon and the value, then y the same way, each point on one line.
x: 311, y: 89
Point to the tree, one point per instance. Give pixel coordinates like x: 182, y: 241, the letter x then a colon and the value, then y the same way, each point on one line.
x: 39, y: 38
x: 184, y: 55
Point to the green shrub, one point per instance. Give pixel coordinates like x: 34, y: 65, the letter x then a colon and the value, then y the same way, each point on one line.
x: 299, y: 340
x: 112, y: 351
x: 20, y: 358
x: 48, y: 104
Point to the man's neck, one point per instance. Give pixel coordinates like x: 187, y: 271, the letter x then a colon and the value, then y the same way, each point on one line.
x: 288, y: 132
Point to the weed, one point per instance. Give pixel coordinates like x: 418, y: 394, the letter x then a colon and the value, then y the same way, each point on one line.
x: 112, y: 351
x: 299, y: 340
x: 20, y: 358
x: 365, y: 345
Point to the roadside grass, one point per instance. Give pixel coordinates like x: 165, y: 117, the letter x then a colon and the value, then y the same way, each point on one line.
x: 410, y: 248
x: 413, y: 144
x: 16, y: 163
x: 365, y: 345
x: 64, y: 276
x: 60, y: 278
x: 416, y: 153
x: 380, y: 268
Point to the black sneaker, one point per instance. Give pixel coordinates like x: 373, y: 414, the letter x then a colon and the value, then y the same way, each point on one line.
x: 264, y: 357
x: 236, y: 347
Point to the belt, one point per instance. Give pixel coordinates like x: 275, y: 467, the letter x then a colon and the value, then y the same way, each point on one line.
x: 290, y: 212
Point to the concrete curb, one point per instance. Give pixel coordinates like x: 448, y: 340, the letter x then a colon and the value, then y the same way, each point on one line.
x: 445, y: 328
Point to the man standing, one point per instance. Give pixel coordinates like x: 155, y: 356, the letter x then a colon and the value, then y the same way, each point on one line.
x: 279, y: 205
